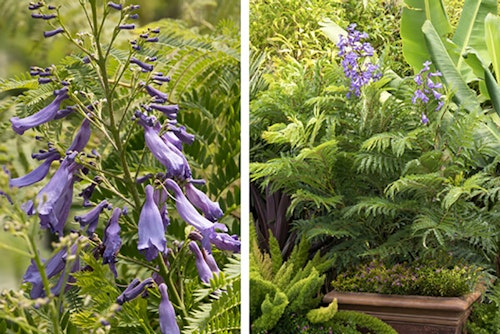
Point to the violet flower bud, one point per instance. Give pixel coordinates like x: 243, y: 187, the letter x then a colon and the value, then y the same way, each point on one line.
x: 49, y: 16
x: 130, y: 26
x: 115, y: 5
x: 161, y: 78
x: 43, y: 116
x: 144, y: 66
x: 43, y: 81
x: 170, y: 111
x: 4, y: 194
x: 54, y: 32
x: 134, y: 16
x: 134, y: 290
x: 112, y: 241
x: 153, y: 92
x: 87, y: 192
x: 36, y: 15
x: 91, y: 218
x: 182, y: 134
x: 210, y: 209
x: 168, y: 325
x: 151, y: 230
x: 152, y: 40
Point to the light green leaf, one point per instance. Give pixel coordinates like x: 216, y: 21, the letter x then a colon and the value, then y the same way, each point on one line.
x: 470, y: 29
x: 332, y: 30
x: 492, y: 33
x: 414, y: 15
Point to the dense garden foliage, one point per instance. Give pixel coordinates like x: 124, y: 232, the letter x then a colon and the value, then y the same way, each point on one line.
x: 375, y: 132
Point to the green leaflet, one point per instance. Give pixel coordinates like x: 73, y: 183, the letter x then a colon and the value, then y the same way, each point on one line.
x: 463, y: 95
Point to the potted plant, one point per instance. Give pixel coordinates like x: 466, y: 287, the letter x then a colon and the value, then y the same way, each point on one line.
x: 421, y: 297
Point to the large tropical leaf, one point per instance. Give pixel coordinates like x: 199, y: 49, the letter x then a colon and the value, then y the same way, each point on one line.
x: 492, y: 34
x: 470, y: 29
x: 414, y: 15
x: 463, y: 95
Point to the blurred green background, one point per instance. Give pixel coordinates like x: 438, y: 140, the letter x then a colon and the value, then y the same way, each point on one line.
x: 22, y: 45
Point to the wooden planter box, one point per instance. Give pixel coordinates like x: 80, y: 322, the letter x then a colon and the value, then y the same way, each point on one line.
x: 411, y: 314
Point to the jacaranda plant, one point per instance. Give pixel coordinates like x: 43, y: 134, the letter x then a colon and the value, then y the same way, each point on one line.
x: 147, y: 250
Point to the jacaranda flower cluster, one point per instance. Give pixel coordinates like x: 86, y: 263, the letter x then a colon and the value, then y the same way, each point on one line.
x: 355, y: 54
x: 141, y: 202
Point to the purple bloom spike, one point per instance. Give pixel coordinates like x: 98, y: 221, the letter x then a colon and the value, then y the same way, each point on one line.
x: 81, y: 138
x: 168, y: 325
x: 189, y: 214
x: 134, y: 290
x: 153, y: 92
x: 55, y: 198
x: 54, y: 32
x: 210, y: 209
x: 202, y: 266
x: 151, y: 230
x: 112, y: 241
x: 43, y: 116
x: 115, y: 5
x: 37, y: 174
x: 144, y: 66
x: 91, y: 218
x: 176, y: 166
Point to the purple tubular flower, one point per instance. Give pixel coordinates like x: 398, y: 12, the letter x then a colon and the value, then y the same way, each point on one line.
x: 425, y: 120
x: 168, y: 325
x: 176, y: 166
x: 43, y: 116
x: 151, y: 230
x: 191, y: 216
x: 210, y: 209
x: 134, y: 290
x: 54, y: 32
x: 115, y: 5
x: 144, y: 66
x: 153, y: 92
x: 81, y: 138
x: 91, y: 218
x: 134, y: 16
x: 182, y: 134
x: 112, y: 241
x: 55, y: 198
x: 210, y: 260
x: 169, y: 111
x: 201, y: 265
x: 161, y: 78
x: 53, y: 267
x: 224, y: 241
x: 130, y: 26
x: 35, y: 175
x: 36, y: 15
x: 152, y: 40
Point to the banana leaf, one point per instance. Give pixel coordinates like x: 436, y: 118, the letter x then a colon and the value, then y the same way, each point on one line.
x: 414, y: 15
